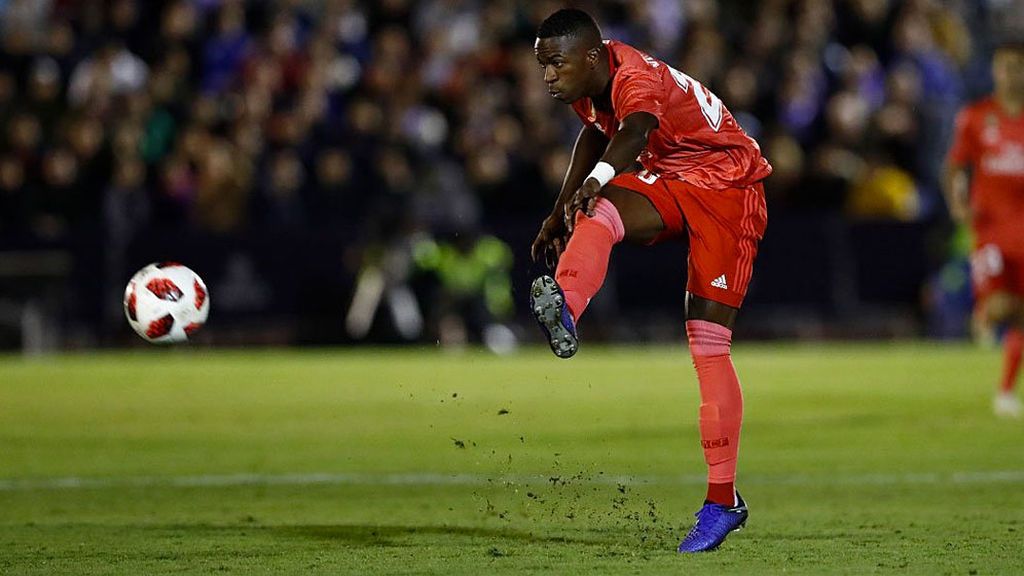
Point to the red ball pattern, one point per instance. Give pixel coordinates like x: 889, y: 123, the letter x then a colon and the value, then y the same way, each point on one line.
x: 200, y: 294
x: 164, y: 289
x: 160, y: 327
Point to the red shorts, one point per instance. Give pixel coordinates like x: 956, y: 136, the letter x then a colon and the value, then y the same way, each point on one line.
x: 994, y: 270
x: 724, y: 227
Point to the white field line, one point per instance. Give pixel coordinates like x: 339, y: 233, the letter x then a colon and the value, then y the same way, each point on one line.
x: 436, y: 479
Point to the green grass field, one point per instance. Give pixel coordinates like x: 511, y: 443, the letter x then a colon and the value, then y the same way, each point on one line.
x: 856, y: 459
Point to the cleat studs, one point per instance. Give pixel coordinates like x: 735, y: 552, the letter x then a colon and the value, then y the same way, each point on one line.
x: 558, y: 300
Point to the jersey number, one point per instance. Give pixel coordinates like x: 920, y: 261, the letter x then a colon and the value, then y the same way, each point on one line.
x: 709, y: 104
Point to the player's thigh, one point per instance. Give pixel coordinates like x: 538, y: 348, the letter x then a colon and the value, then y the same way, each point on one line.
x: 725, y: 227
x: 646, y: 207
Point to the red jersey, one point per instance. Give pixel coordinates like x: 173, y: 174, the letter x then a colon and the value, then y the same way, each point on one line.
x: 991, y: 144
x: 697, y: 139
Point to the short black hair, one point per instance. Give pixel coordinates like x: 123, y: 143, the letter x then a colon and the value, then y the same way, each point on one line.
x: 569, y: 22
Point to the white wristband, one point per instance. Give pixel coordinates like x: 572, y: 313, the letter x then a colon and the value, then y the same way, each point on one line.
x: 603, y: 172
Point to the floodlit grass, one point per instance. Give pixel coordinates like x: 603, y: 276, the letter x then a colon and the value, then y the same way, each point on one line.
x: 855, y: 459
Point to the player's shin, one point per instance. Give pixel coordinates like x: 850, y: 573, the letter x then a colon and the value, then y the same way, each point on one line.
x: 1013, y: 345
x: 584, y: 264
x: 721, y: 409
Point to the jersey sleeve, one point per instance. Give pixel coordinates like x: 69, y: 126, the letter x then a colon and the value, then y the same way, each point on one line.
x: 964, y: 148
x: 637, y: 91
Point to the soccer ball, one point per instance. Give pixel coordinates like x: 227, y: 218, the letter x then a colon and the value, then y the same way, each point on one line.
x: 166, y: 303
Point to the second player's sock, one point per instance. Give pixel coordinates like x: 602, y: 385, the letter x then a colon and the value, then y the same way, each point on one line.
x: 721, y: 408
x: 584, y: 264
x: 1013, y: 344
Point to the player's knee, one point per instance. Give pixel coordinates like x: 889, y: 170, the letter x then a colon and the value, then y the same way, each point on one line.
x: 1001, y: 307
x: 640, y: 220
x: 607, y: 215
x: 699, y: 308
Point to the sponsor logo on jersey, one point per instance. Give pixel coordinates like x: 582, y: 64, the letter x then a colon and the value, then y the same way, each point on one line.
x: 1008, y: 161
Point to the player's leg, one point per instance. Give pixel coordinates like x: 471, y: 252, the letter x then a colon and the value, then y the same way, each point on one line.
x: 620, y: 214
x: 1007, y: 309
x: 720, y: 266
x: 709, y: 332
x: 998, y: 280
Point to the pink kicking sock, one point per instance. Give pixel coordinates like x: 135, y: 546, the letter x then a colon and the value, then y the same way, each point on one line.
x: 584, y: 264
x: 721, y: 408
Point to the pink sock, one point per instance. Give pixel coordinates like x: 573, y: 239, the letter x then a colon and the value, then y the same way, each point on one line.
x: 1013, y: 344
x: 721, y: 408
x: 584, y: 264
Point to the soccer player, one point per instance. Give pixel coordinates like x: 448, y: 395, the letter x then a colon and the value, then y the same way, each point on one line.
x: 985, y: 187
x: 658, y: 156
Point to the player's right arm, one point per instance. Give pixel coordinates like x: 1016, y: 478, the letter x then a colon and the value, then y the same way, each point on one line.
x: 550, y: 242
x: 956, y: 179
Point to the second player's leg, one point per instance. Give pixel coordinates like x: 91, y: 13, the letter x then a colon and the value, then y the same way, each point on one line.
x: 999, y: 285
x: 1002, y: 308
x: 1007, y: 309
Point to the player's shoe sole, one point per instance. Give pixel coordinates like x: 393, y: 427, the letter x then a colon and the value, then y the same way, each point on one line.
x: 548, y: 305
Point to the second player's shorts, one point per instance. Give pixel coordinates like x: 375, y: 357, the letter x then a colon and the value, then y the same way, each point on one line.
x: 995, y: 270
x: 724, y: 228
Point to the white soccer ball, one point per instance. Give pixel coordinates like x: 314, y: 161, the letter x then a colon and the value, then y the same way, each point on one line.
x: 166, y: 303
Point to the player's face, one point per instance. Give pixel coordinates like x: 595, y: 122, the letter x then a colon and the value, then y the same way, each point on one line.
x: 568, y: 67
x: 1008, y: 70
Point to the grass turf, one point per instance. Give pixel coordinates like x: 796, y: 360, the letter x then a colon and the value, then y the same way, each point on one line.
x: 855, y: 459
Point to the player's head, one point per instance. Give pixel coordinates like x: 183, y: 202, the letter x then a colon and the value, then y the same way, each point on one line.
x: 1008, y: 68
x: 569, y: 50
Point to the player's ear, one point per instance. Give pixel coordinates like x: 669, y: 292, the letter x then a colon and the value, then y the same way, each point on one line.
x: 593, y: 57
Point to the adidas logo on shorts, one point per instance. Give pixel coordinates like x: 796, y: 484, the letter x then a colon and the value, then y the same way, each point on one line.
x: 720, y: 282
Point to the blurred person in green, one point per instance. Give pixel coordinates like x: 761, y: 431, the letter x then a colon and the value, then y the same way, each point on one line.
x: 472, y: 295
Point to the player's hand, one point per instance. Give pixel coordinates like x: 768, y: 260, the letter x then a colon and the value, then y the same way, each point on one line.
x: 550, y: 241
x: 583, y: 200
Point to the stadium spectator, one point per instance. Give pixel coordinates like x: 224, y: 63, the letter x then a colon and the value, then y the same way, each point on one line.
x: 256, y: 81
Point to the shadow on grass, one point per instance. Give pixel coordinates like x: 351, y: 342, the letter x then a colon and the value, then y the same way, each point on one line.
x: 384, y: 535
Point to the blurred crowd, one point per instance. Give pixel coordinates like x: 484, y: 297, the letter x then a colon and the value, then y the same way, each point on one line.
x: 227, y: 116
x: 223, y: 114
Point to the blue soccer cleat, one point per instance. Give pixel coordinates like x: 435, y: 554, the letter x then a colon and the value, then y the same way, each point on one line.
x: 714, y: 523
x: 548, y: 304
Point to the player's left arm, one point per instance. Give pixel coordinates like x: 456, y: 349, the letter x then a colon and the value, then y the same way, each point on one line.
x: 618, y: 157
